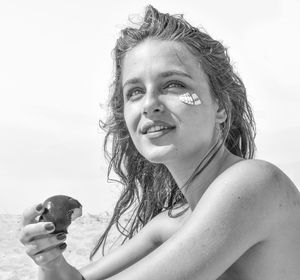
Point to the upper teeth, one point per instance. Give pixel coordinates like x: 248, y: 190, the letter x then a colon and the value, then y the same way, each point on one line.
x: 156, y: 128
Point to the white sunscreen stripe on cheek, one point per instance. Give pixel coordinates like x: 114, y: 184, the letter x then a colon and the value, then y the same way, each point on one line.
x: 190, y: 99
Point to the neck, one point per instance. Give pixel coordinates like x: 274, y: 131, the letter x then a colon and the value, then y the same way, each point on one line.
x: 183, y: 169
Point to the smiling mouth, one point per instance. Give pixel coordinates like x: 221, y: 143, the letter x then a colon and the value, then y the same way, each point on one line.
x: 154, y: 133
x: 156, y: 129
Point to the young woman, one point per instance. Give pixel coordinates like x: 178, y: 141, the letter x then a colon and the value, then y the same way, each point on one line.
x: 182, y: 144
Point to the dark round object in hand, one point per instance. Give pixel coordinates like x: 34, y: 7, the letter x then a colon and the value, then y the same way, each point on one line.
x: 61, y: 210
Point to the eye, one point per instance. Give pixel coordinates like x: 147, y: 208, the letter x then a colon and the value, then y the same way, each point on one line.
x: 174, y: 84
x: 133, y: 93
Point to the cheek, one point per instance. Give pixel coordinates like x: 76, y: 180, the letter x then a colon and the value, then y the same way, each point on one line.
x: 131, y: 119
x: 127, y: 120
x: 200, y: 120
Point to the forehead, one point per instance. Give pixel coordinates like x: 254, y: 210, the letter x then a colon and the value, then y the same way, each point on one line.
x: 153, y: 57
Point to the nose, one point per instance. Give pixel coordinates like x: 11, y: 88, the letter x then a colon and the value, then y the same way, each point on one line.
x: 152, y: 104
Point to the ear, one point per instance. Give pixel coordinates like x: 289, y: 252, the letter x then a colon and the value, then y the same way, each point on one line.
x: 221, y: 114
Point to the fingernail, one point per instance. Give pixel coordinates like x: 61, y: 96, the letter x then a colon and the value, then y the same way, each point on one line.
x: 39, y: 207
x: 49, y: 227
x: 62, y: 246
x: 60, y: 236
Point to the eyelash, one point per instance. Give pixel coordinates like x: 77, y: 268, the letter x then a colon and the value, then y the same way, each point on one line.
x: 177, y: 83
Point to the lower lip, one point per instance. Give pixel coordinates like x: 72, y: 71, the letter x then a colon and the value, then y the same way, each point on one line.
x: 157, y: 134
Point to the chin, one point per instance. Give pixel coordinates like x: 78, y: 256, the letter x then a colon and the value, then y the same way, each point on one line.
x: 159, y: 155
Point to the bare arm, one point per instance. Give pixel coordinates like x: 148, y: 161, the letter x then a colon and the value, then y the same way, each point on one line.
x: 238, y: 211
x: 52, y: 264
x: 124, y: 256
x: 119, y: 259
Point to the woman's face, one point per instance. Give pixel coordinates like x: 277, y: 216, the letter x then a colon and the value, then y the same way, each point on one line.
x: 154, y: 75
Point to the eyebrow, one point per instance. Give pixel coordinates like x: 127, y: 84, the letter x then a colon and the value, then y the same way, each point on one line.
x: 160, y: 75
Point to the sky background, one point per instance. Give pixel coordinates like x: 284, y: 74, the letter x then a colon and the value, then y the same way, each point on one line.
x: 56, y: 68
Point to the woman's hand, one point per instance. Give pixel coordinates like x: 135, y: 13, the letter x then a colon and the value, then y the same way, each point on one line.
x: 43, y: 247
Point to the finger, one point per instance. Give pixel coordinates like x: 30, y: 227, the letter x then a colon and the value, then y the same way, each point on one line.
x: 45, y: 244
x: 35, y: 231
x: 31, y: 213
x: 47, y: 257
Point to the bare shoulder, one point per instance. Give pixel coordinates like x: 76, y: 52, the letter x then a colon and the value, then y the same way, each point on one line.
x: 257, y: 186
x: 258, y: 176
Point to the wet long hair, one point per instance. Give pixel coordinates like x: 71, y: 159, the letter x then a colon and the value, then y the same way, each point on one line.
x: 149, y: 188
